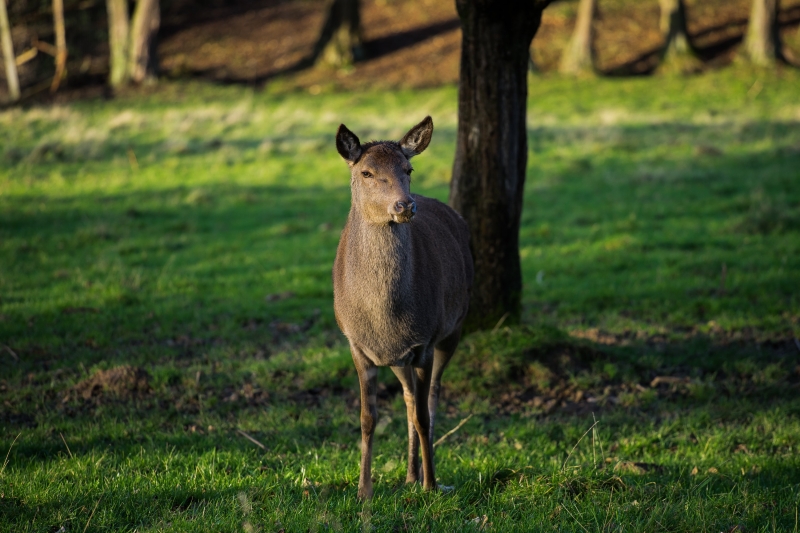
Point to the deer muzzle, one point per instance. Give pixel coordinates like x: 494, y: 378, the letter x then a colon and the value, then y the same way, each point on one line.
x: 404, y: 211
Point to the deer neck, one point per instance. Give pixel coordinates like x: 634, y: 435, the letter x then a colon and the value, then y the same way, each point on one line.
x: 380, y: 253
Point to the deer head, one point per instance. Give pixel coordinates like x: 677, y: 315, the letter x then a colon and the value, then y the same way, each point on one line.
x: 380, y: 173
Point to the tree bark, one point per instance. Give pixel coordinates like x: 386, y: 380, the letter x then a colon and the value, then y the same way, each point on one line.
x: 142, y: 63
x: 8, y: 54
x: 578, y: 58
x: 61, y: 44
x: 762, y: 45
x: 677, y: 53
x: 118, y: 36
x: 492, y: 148
x: 339, y: 44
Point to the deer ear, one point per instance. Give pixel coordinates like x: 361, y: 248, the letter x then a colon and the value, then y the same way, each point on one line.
x: 417, y: 139
x: 347, y: 144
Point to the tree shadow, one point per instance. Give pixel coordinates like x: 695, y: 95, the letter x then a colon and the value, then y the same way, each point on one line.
x: 392, y: 43
x: 373, y: 49
x: 715, y: 52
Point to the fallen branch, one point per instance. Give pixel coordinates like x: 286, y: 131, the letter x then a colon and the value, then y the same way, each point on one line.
x: 251, y: 439
x: 26, y: 56
x: 446, y: 435
x: 44, y: 47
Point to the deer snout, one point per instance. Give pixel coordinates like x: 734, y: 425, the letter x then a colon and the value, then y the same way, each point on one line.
x: 404, y: 211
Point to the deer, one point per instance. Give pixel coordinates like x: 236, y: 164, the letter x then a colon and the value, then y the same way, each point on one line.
x: 401, y: 288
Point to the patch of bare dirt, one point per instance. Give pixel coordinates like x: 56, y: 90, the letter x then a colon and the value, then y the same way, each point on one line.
x: 408, y: 44
x: 121, y: 382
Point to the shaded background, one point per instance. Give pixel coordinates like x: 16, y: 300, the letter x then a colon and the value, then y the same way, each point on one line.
x: 407, y: 44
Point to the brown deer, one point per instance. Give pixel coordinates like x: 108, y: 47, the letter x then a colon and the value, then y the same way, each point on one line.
x: 401, y: 286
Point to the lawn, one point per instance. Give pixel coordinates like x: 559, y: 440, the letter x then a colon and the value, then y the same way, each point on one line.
x: 169, y: 358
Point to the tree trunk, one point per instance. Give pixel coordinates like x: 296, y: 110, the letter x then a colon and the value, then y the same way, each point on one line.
x: 118, y: 35
x: 8, y: 53
x: 677, y: 53
x: 492, y: 148
x: 143, y: 64
x: 578, y: 57
x: 533, y: 68
x: 762, y: 44
x: 339, y: 44
x: 61, y: 44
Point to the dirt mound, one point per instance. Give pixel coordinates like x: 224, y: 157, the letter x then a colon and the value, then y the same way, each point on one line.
x: 121, y: 382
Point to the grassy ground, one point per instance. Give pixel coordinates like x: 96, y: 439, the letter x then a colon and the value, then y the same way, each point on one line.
x: 165, y: 290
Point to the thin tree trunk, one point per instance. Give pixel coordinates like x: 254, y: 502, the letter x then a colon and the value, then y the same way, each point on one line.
x: 339, y: 42
x: 579, y: 57
x: 492, y: 148
x: 762, y: 44
x: 677, y: 53
x: 673, y: 27
x: 118, y: 38
x: 61, y: 44
x: 142, y: 63
x: 8, y: 53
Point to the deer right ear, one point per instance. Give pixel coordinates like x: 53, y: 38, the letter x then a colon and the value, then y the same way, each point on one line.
x: 347, y: 144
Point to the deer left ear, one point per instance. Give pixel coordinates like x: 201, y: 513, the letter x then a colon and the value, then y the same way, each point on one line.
x: 417, y: 139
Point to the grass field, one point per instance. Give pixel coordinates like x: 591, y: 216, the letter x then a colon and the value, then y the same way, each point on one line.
x: 165, y: 293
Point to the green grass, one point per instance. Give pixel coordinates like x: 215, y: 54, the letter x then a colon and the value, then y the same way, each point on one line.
x: 190, y: 232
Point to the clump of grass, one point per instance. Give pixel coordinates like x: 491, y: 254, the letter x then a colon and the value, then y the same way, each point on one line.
x: 507, y: 358
x: 768, y: 214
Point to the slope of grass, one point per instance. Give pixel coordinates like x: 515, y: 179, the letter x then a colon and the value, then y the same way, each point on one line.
x: 190, y: 232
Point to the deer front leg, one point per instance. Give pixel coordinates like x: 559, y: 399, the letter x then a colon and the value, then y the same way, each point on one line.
x: 422, y: 424
x: 368, y: 383
x: 407, y: 378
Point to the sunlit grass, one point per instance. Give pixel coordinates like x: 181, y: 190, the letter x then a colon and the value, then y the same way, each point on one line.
x: 191, y: 232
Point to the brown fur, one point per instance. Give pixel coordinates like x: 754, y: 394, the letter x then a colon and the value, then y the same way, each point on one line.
x: 401, y: 283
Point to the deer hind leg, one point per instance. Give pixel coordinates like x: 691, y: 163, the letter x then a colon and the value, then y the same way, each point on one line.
x: 368, y: 383
x: 441, y: 357
x: 407, y: 378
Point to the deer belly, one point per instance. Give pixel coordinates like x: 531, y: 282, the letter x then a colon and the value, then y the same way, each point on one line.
x: 390, y: 347
x: 410, y: 357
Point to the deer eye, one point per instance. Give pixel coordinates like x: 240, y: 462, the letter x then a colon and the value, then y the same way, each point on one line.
x: 366, y: 173
x: 409, y: 171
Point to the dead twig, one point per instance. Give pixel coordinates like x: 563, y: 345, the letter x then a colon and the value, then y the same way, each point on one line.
x: 7, y: 348
x: 65, y: 444
x: 446, y: 435
x: 576, y: 445
x: 499, y: 323
x: 9, y: 453
x: 251, y: 439
x: 91, y: 515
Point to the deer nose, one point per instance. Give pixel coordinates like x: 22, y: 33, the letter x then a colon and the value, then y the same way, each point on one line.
x: 401, y: 207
